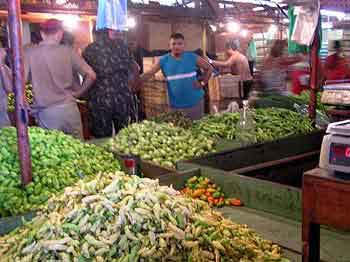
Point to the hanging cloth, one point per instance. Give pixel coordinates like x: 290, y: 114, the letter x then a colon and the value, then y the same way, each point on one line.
x: 112, y: 14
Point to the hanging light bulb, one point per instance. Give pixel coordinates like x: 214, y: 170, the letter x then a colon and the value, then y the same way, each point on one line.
x: 233, y: 27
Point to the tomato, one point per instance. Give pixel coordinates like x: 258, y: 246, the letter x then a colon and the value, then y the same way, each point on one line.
x: 236, y: 202
x: 211, y: 199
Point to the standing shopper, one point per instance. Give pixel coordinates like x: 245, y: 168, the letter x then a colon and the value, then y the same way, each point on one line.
x: 180, y: 69
x: 240, y: 62
x: 50, y: 67
x: 251, y: 55
x: 336, y: 66
x: 5, y: 88
x: 110, y: 100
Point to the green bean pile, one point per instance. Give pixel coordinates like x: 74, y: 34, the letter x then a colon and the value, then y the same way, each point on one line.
x: 270, y: 124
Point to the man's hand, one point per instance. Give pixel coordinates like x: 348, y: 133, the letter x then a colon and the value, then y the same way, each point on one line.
x: 198, y: 84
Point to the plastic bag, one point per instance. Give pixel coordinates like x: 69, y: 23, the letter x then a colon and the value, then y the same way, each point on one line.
x: 322, y: 120
x: 112, y: 14
x: 306, y: 23
x: 245, y: 128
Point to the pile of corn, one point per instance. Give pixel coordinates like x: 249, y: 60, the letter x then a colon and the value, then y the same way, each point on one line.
x: 123, y: 218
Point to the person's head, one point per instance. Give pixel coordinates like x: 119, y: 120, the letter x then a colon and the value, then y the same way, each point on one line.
x: 67, y: 39
x: 52, y: 30
x: 199, y: 52
x: 231, y: 46
x: 337, y: 46
x: 177, y: 44
x: 114, y: 34
x: 278, y: 47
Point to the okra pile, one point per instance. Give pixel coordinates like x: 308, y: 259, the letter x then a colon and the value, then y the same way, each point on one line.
x: 58, y: 160
x: 270, y: 124
x: 161, y: 143
x: 129, y: 219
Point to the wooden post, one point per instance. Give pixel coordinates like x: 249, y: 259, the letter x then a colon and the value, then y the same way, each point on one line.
x: 314, y: 80
x: 14, y: 12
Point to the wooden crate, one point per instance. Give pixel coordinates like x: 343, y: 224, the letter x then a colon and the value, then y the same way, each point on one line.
x: 154, y: 98
x: 222, y: 87
x: 148, y: 62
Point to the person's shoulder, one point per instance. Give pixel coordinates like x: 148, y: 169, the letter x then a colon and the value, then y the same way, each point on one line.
x: 164, y: 58
x: 190, y: 54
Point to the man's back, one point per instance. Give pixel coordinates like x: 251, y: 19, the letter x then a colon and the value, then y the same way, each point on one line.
x: 108, y: 58
x: 50, y: 68
x: 242, y: 65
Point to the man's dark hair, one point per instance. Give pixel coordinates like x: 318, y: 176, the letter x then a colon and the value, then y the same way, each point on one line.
x: 177, y: 36
x: 337, y: 45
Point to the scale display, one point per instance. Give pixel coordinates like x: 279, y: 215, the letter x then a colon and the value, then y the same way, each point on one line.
x: 339, y: 154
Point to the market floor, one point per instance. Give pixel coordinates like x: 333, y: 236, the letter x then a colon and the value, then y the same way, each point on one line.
x: 287, y: 233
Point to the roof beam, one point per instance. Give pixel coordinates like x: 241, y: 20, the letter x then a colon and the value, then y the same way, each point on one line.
x: 214, y: 6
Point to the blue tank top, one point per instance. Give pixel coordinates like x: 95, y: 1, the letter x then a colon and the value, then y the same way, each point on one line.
x: 181, y: 75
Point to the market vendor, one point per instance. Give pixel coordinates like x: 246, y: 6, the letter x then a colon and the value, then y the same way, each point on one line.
x: 180, y: 69
x: 336, y: 66
x: 50, y: 66
x: 111, y: 103
x: 239, y: 62
x: 5, y: 89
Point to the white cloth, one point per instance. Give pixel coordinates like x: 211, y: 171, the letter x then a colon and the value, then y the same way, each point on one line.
x: 112, y: 14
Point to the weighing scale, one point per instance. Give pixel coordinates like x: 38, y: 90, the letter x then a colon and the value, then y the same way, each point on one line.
x: 335, y: 150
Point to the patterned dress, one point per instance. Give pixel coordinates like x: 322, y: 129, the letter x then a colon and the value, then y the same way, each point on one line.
x: 110, y: 101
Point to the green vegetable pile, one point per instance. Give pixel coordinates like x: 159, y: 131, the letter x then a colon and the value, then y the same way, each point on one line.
x: 128, y: 219
x: 218, y: 126
x: 176, y: 118
x: 270, y: 124
x: 275, y: 123
x: 11, y: 98
x: 58, y: 161
x: 288, y: 102
x: 163, y: 144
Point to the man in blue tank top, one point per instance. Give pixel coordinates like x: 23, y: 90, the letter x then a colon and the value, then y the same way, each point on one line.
x: 185, y: 91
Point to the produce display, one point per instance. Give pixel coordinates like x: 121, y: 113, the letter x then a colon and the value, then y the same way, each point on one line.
x: 288, y: 102
x: 270, y: 124
x: 161, y: 143
x: 204, y: 189
x: 11, y: 98
x: 129, y: 219
x: 218, y: 126
x: 58, y: 161
x: 275, y: 123
x: 176, y: 118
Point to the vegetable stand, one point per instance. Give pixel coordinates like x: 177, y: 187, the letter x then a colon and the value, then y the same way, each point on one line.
x: 269, y: 152
x: 270, y: 208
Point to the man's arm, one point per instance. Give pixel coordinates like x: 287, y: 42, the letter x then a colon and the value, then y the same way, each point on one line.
x: 227, y: 63
x: 207, y: 69
x: 86, y: 71
x: 135, y: 83
x: 5, y: 73
x: 148, y: 75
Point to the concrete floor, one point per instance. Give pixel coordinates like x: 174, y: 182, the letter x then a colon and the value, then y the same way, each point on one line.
x: 335, y: 246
